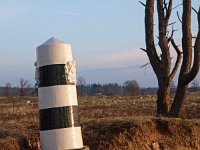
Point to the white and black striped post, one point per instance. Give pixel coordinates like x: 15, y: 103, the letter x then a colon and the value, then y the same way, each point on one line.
x: 58, y: 106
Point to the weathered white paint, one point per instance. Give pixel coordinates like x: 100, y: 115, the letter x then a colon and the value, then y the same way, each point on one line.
x: 57, y: 96
x: 61, y: 139
x: 53, y: 51
x: 70, y: 72
x: 37, y: 77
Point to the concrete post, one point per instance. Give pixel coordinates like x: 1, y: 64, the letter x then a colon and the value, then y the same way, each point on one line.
x: 58, y: 107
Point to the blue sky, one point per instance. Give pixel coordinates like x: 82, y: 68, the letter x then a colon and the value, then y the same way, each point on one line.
x: 105, y: 36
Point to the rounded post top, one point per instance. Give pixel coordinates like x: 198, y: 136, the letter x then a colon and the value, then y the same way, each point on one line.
x: 53, y: 51
x: 53, y: 41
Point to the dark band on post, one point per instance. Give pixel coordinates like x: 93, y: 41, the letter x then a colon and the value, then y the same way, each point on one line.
x: 51, y: 75
x: 59, y: 117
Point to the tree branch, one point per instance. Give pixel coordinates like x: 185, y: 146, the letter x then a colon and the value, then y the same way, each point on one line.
x: 160, y: 8
x: 196, y: 62
x: 144, y: 65
x: 178, y: 17
x: 163, y: 43
x: 186, y: 45
x: 165, y: 6
x: 177, y: 6
x: 142, y: 3
x: 178, y: 60
x: 172, y: 34
x: 168, y: 11
x: 149, y: 36
x: 171, y: 23
x: 195, y: 67
x: 195, y: 10
x: 143, y: 50
x: 199, y: 17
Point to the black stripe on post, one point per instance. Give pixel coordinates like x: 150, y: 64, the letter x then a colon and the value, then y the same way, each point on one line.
x: 59, y: 117
x: 51, y: 75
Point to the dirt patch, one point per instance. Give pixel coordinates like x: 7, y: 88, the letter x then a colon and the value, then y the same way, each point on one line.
x: 136, y: 133
x: 157, y: 134
x: 12, y: 140
x: 9, y: 143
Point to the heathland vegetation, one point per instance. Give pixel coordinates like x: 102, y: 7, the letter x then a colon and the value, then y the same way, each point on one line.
x: 115, y: 122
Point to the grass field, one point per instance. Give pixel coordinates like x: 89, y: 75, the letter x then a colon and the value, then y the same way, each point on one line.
x: 19, y: 125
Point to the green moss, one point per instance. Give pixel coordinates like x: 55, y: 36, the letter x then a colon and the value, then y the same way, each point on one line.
x: 177, y: 121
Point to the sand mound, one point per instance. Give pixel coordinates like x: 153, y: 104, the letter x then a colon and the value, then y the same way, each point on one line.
x: 154, y: 134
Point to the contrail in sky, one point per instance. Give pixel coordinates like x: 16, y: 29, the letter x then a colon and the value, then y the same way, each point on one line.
x: 65, y: 12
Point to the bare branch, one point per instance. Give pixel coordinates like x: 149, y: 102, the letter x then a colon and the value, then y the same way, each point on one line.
x: 195, y: 67
x: 144, y: 65
x: 194, y: 10
x: 177, y: 60
x: 168, y: 11
x: 186, y: 43
x: 172, y: 34
x: 167, y: 33
x: 142, y: 3
x: 176, y: 47
x: 143, y: 50
x: 149, y: 38
x: 160, y: 9
x: 165, y: 6
x: 177, y: 6
x: 179, y: 17
x: 199, y: 17
x: 147, y: 63
x: 171, y: 23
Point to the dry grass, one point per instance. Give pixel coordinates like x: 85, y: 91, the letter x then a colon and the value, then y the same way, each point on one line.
x: 19, y: 120
x: 19, y: 123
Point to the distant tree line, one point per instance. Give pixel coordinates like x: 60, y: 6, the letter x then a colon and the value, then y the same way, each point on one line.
x: 23, y: 89
x: 128, y: 88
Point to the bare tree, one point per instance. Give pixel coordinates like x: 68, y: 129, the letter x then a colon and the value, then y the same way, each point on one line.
x: 24, y: 87
x: 81, y: 86
x: 131, y: 87
x: 162, y: 64
x: 8, y: 90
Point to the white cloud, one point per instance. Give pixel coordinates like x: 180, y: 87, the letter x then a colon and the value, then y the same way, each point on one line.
x: 120, y: 59
x: 126, y: 58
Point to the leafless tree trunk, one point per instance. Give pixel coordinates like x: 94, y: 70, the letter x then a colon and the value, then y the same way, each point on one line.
x: 24, y: 87
x: 162, y: 64
x: 81, y: 86
x: 188, y: 70
x: 131, y: 87
x: 8, y: 90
